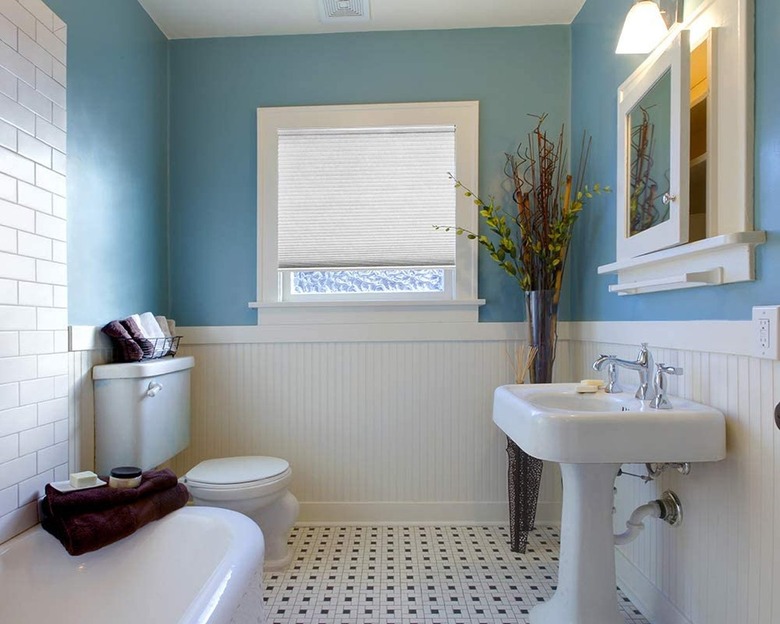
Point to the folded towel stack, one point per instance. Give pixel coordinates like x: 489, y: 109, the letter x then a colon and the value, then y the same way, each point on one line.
x: 86, y: 520
x: 142, y: 336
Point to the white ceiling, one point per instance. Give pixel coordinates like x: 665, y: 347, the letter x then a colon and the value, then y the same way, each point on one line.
x: 184, y: 19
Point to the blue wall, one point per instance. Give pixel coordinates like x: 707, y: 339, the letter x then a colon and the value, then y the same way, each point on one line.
x: 217, y: 85
x: 596, y: 74
x: 118, y: 100
x: 117, y: 160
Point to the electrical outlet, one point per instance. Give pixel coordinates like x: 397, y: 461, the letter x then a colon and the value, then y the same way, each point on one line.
x: 766, y: 321
x: 763, y: 333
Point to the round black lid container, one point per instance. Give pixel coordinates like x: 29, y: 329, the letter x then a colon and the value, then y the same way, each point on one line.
x: 125, y: 472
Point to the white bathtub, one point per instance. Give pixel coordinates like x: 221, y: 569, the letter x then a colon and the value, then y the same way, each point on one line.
x: 192, y: 566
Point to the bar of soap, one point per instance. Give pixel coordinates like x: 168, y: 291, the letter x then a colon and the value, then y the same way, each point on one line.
x: 585, y: 389
x: 598, y: 383
x: 83, y: 479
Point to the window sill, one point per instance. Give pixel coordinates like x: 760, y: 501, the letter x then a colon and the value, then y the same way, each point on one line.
x: 716, y: 260
x: 341, y: 312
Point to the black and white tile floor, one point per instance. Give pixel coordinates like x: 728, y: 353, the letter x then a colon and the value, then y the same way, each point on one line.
x: 409, y: 574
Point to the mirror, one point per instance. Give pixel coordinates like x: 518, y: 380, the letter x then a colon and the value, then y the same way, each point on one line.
x: 653, y: 153
x: 650, y: 122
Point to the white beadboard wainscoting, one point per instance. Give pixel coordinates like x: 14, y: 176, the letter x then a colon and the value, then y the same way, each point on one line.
x: 375, y: 431
x: 378, y: 424
x: 81, y: 410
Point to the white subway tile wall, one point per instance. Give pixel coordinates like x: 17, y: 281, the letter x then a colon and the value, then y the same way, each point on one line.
x: 33, y: 276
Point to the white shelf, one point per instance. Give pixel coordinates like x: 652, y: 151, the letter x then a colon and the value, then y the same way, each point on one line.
x: 720, y: 259
x: 684, y: 280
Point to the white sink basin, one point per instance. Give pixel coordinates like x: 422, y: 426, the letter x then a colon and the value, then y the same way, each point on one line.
x: 591, y: 435
x: 553, y: 422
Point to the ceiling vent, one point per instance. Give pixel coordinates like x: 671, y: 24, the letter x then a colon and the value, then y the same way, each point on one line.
x: 343, y: 11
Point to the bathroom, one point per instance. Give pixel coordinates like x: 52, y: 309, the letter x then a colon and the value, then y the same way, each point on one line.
x: 384, y: 417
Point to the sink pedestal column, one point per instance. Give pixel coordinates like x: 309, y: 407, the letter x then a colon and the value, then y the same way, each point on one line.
x: 586, y: 591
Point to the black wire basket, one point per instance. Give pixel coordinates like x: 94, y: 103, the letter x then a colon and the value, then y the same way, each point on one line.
x: 132, y: 350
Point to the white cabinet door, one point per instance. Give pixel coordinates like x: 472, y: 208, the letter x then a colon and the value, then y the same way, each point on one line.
x: 653, y: 153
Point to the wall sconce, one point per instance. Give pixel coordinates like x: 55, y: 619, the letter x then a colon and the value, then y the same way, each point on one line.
x: 643, y: 29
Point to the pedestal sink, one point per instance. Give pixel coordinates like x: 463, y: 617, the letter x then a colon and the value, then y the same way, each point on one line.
x: 590, y: 436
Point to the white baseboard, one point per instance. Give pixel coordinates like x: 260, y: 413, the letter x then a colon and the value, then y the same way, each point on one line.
x: 650, y: 600
x: 548, y: 513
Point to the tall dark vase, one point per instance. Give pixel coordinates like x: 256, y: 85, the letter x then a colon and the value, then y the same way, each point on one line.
x: 524, y: 471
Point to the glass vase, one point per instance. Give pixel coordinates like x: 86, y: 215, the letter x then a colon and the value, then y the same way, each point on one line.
x: 524, y: 471
x: 541, y: 308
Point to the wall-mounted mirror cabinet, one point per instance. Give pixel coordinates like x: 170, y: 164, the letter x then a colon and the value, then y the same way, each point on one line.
x: 653, y: 137
x: 684, y: 153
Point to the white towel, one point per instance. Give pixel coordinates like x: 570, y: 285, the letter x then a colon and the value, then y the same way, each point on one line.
x: 163, y: 323
x: 138, y: 322
x: 153, y: 331
x: 172, y: 331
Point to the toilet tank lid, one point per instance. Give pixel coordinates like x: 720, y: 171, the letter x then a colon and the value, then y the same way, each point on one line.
x: 229, y: 470
x: 144, y: 368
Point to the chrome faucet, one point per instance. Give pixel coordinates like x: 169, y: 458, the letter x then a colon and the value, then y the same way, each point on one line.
x: 642, y: 365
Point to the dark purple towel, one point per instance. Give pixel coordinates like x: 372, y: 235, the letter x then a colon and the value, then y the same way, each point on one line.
x: 84, y: 532
x: 129, y: 350
x: 102, y: 498
x: 136, y: 334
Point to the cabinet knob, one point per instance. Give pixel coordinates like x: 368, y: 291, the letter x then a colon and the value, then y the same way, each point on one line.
x: 668, y: 198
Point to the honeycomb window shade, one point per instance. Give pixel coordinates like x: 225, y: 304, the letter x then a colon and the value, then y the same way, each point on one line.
x: 366, y: 197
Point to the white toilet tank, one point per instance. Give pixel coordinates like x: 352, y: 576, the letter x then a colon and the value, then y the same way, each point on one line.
x: 142, y: 412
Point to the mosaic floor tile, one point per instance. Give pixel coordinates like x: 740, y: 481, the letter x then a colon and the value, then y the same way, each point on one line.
x: 415, y: 574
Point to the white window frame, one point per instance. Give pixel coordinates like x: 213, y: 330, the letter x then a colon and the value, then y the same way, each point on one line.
x: 459, y: 304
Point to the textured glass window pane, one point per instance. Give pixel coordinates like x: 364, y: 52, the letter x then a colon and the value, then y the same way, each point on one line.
x: 368, y: 281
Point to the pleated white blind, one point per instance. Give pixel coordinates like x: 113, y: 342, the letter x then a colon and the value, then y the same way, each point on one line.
x: 366, y: 197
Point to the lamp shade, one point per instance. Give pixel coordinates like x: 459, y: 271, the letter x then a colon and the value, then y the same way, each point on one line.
x: 643, y: 29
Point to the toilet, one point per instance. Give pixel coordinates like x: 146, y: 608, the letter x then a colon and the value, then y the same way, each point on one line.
x: 255, y: 486
x: 142, y: 418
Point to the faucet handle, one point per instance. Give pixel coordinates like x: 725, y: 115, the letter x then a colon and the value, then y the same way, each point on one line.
x: 659, y: 385
x: 613, y: 386
x: 669, y: 370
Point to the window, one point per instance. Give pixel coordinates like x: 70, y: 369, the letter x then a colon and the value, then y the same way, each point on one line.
x: 347, y: 200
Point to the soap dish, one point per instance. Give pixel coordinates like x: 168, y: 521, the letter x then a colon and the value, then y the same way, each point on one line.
x: 65, y: 486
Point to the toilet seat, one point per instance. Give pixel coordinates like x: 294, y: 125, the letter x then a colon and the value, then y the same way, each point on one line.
x: 238, y: 477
